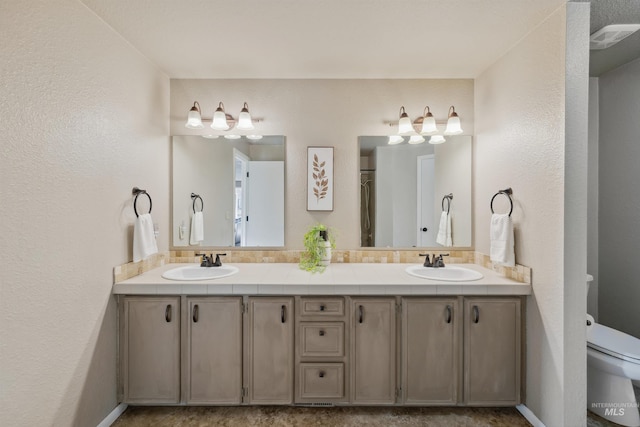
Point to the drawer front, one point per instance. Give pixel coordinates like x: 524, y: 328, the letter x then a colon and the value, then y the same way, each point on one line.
x: 322, y: 306
x: 322, y: 339
x: 321, y: 380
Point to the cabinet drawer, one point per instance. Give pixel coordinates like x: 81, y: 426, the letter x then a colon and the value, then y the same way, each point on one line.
x: 322, y: 306
x: 322, y: 339
x: 321, y: 380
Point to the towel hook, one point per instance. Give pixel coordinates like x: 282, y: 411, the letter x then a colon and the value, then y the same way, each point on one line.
x: 136, y: 191
x: 448, y: 198
x: 507, y: 192
x: 195, y: 197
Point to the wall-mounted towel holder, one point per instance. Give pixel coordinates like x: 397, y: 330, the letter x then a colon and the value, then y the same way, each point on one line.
x: 507, y: 192
x: 448, y: 198
x: 195, y: 197
x: 136, y: 191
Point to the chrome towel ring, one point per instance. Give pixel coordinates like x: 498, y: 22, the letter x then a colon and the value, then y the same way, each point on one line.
x: 507, y: 192
x: 195, y: 197
x: 448, y: 198
x: 136, y: 191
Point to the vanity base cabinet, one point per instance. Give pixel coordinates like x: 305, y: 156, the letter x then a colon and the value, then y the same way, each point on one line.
x: 270, y: 358
x: 373, y: 351
x: 492, y: 346
x: 213, y: 364
x: 151, y: 350
x: 431, y: 351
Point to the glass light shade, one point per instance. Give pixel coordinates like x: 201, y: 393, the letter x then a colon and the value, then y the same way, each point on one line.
x: 194, y: 120
x: 429, y: 125
x: 437, y: 139
x: 416, y: 139
x: 254, y: 137
x: 395, y: 139
x: 211, y: 136
x: 453, y: 124
x: 404, y: 124
x: 244, y: 119
x: 232, y: 136
x: 220, y: 119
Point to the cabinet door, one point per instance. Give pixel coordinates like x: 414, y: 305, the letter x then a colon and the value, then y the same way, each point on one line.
x: 152, y: 350
x: 214, y: 350
x: 430, y: 351
x: 492, y: 351
x: 270, y: 350
x: 373, y: 372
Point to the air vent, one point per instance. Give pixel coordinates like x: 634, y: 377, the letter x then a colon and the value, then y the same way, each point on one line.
x: 611, y: 34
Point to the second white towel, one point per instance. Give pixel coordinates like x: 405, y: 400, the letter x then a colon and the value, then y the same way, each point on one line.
x: 197, y: 229
x: 144, y: 239
x: 502, y: 242
x: 444, y: 230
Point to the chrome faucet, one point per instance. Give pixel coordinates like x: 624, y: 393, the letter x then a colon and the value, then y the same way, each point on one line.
x: 207, y: 261
x: 435, y: 262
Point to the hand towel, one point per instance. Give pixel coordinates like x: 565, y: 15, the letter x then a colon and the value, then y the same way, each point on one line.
x: 144, y: 240
x: 444, y: 230
x: 197, y: 229
x: 502, y: 243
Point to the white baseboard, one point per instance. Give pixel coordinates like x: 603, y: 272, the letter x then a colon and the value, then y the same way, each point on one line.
x: 113, y: 415
x: 530, y: 416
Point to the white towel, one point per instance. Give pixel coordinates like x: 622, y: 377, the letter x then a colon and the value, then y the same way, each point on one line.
x: 502, y: 243
x: 144, y: 240
x: 444, y: 231
x: 197, y: 229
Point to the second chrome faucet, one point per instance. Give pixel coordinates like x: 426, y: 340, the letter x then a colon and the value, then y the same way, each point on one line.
x: 207, y: 260
x: 436, y: 261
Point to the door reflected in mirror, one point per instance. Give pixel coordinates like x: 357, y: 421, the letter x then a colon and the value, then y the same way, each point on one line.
x: 239, y: 186
x: 404, y: 189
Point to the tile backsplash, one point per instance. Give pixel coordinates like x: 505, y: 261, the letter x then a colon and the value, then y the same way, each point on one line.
x: 132, y: 269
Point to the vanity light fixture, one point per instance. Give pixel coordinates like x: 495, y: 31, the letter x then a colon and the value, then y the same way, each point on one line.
x: 453, y: 123
x: 221, y: 120
x: 395, y: 139
x: 194, y: 120
x: 416, y: 139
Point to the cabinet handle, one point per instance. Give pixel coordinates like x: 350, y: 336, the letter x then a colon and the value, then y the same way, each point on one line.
x: 283, y: 313
x: 360, y: 314
x: 167, y: 313
x: 195, y: 313
x: 448, y: 317
x: 476, y: 314
x: 321, y: 333
x: 321, y: 374
x: 322, y: 307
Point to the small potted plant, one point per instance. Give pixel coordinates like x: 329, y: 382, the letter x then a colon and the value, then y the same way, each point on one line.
x: 318, y: 243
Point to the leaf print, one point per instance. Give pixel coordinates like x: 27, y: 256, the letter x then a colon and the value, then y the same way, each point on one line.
x: 321, y: 179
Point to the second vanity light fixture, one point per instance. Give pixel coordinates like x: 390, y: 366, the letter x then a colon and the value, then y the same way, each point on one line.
x: 222, y: 121
x: 427, y: 127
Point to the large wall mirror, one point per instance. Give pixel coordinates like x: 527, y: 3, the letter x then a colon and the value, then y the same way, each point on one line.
x: 228, y: 193
x: 404, y: 189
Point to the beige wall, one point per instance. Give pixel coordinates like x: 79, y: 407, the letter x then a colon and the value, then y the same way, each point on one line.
x: 523, y: 141
x: 84, y: 119
x: 323, y: 113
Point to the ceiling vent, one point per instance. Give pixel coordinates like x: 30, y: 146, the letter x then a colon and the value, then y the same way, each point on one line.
x: 611, y: 34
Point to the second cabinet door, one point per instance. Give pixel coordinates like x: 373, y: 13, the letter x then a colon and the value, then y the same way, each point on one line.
x: 214, y: 350
x: 270, y: 350
x: 430, y: 351
x: 492, y: 351
x: 373, y: 372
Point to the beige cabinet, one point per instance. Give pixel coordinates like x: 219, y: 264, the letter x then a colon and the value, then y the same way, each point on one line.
x: 213, y: 363
x: 151, y: 350
x: 492, y: 351
x: 373, y: 350
x: 431, y: 355
x: 270, y: 351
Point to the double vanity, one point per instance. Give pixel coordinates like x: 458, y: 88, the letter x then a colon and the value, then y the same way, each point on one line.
x: 357, y: 334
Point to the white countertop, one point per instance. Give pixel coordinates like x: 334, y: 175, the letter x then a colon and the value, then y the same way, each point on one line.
x: 337, y: 279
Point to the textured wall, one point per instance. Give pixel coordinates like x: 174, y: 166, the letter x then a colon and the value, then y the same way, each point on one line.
x: 619, y: 222
x: 520, y: 143
x: 323, y: 113
x: 84, y: 119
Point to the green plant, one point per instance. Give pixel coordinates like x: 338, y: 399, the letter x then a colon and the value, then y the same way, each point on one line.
x: 314, y: 245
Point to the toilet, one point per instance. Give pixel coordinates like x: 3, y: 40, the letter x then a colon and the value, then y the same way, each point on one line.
x: 613, y: 367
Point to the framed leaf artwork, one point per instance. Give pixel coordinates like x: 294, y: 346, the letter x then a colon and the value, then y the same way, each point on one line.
x: 319, y: 178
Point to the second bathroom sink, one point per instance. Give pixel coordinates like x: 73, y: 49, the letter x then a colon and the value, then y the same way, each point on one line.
x: 195, y: 272
x: 449, y: 273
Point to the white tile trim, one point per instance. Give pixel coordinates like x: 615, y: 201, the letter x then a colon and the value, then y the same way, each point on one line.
x: 113, y: 415
x: 530, y: 416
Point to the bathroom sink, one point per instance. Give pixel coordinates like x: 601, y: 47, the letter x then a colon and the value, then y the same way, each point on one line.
x: 448, y: 273
x: 195, y: 272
